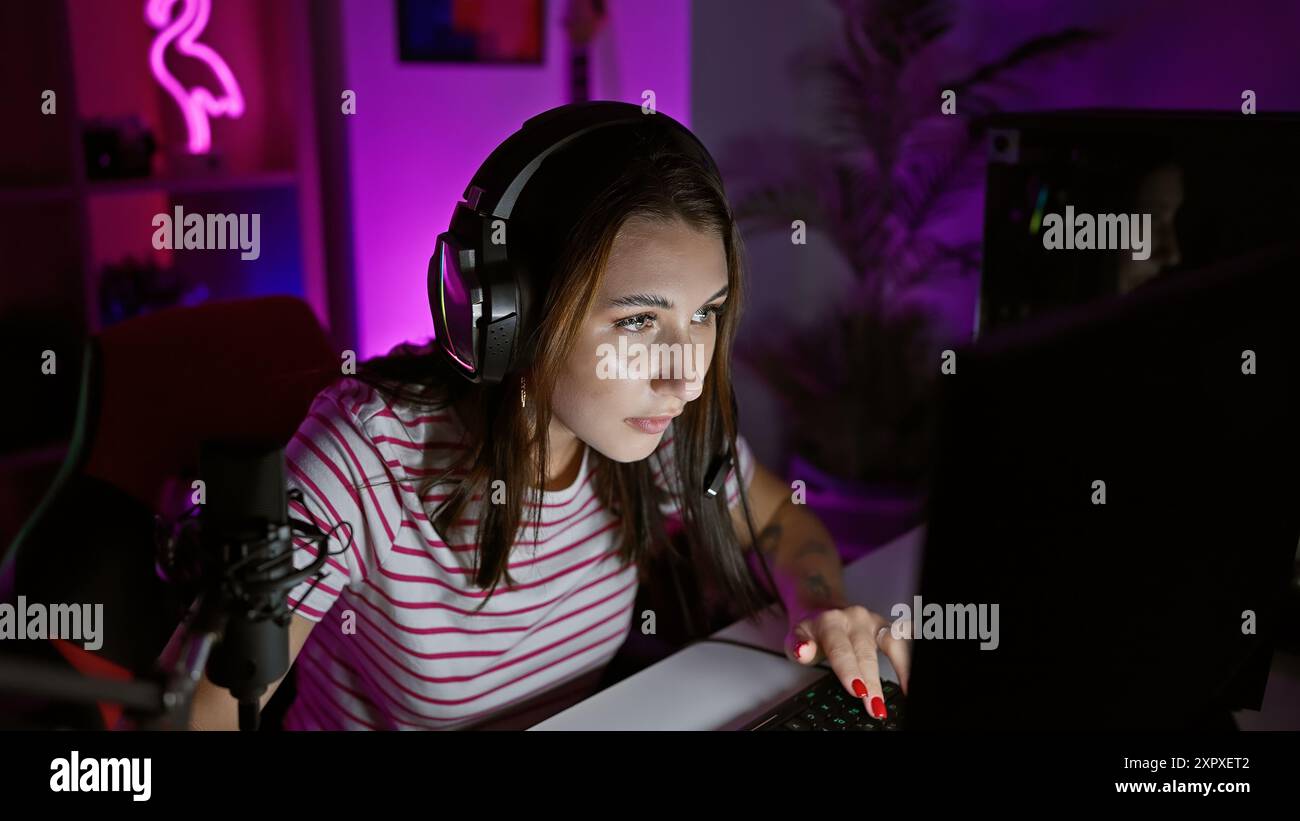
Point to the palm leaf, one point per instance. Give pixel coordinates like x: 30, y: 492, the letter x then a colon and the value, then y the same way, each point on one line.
x: 1032, y: 50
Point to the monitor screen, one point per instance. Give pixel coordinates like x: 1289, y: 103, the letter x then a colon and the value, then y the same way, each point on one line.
x: 1094, y: 205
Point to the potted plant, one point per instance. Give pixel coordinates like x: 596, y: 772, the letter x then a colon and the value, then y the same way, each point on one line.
x: 891, y: 167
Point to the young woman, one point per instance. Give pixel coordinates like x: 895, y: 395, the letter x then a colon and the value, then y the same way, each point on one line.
x: 497, y: 531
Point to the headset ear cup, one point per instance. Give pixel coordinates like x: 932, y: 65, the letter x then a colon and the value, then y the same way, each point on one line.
x: 528, y: 311
x: 433, y: 283
x: 501, y: 340
x: 505, y: 340
x: 454, y: 326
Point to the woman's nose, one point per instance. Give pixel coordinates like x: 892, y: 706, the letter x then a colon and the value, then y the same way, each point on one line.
x: 683, y: 390
x: 679, y: 371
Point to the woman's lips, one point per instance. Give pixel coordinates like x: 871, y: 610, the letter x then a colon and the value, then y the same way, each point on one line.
x: 649, y: 424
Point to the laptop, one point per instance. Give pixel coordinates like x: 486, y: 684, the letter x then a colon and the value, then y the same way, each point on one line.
x: 1121, y: 481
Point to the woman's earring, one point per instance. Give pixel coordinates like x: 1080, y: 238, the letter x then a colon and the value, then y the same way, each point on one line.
x: 523, y: 394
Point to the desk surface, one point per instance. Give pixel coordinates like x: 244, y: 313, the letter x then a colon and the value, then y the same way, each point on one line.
x: 711, y: 686
x: 721, y: 687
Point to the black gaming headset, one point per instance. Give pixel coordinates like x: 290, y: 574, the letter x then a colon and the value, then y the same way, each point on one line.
x: 480, y: 287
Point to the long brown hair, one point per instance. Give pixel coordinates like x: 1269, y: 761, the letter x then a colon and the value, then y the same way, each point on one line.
x: 568, y: 233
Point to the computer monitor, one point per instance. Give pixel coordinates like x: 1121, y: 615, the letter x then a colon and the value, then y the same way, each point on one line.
x: 1122, y: 480
x: 1204, y: 186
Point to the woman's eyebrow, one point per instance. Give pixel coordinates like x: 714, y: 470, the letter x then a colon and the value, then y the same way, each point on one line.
x: 641, y: 300
x: 653, y: 300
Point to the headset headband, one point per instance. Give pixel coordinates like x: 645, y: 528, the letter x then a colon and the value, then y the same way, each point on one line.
x: 496, y: 186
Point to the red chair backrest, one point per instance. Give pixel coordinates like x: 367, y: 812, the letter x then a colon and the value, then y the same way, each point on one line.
x: 226, y: 369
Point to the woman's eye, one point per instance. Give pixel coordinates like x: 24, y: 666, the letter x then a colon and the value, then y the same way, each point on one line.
x: 635, y: 324
x: 705, y: 315
x: 638, y: 323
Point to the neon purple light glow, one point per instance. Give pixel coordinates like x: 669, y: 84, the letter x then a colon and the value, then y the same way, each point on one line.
x: 405, y: 181
x: 196, y: 104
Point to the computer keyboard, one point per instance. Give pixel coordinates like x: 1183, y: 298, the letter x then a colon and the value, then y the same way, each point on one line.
x: 827, y: 706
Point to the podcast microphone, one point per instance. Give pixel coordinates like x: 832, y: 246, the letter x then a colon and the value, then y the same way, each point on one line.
x: 247, y: 544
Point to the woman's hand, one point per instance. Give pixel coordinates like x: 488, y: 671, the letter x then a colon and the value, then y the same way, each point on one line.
x: 849, y: 637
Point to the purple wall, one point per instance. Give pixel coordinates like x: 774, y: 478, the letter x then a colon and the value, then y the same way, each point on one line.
x: 1161, y: 53
x: 421, y: 130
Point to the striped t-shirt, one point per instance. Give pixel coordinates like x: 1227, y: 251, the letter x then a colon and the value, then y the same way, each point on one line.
x: 398, y: 643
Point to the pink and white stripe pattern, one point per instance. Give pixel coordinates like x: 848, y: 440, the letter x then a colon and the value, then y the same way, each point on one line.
x: 399, y: 643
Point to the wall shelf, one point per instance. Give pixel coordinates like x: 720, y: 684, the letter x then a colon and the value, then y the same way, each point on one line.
x: 195, y: 185
x: 36, y: 194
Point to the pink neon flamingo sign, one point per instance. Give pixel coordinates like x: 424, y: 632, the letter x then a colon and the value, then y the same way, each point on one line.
x: 197, y: 104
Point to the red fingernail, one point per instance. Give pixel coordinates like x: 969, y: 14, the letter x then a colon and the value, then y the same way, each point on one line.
x: 859, y: 689
x: 798, y: 649
x: 878, y: 707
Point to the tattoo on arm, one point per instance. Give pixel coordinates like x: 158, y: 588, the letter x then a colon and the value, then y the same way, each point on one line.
x: 816, y: 585
x: 769, y: 538
x: 814, y: 546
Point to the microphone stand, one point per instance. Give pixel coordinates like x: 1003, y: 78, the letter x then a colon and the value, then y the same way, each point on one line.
x: 159, y: 701
x: 244, y: 591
